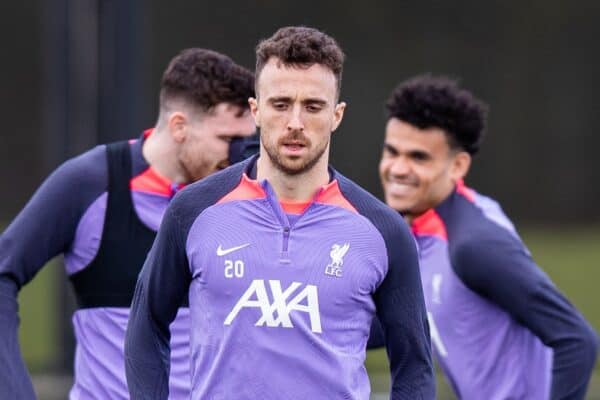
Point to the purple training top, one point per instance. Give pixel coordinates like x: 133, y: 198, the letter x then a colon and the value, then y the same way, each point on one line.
x: 281, y: 308
x: 499, y: 327
x: 66, y: 215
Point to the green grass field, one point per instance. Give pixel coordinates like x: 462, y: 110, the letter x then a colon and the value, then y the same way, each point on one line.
x: 570, y: 256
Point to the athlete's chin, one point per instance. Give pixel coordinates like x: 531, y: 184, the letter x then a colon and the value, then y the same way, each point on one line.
x: 293, y: 167
x: 400, y: 204
x: 200, y: 174
x: 221, y: 166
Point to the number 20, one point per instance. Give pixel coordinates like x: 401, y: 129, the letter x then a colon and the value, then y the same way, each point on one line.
x: 234, y: 268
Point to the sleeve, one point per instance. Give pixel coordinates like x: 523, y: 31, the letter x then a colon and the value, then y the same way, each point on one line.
x: 161, y: 287
x: 375, y: 336
x: 14, y: 379
x: 502, y: 271
x: 403, y: 318
x: 42, y: 230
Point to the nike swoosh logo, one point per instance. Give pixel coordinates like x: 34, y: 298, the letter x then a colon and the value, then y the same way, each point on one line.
x: 221, y: 251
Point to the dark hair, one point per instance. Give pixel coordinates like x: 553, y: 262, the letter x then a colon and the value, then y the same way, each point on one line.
x: 205, y: 78
x: 301, y: 46
x: 437, y: 102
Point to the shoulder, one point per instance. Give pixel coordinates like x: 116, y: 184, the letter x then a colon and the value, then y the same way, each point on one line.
x: 77, y: 182
x: 368, y: 205
x: 480, y: 237
x: 196, y: 197
x: 388, y: 222
x: 88, y: 169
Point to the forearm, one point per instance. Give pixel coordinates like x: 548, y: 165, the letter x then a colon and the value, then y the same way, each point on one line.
x: 147, y: 352
x: 14, y: 379
x: 376, y: 339
x: 403, y: 318
x: 574, y: 358
x: 406, y: 333
x: 161, y: 287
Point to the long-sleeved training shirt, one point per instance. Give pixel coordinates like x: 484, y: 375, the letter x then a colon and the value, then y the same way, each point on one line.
x: 66, y: 215
x: 280, y: 303
x: 500, y: 328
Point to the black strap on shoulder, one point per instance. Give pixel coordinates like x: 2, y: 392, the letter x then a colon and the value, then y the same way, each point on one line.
x: 119, y: 205
x: 110, y: 279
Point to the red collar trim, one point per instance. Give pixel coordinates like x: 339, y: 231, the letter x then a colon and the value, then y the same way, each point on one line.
x: 429, y: 224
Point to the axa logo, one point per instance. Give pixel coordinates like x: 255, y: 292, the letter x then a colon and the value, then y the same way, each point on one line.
x: 277, y: 314
x: 337, y: 253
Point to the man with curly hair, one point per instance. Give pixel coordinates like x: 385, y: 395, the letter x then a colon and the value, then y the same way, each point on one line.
x: 102, y: 210
x: 286, y: 261
x: 499, y: 326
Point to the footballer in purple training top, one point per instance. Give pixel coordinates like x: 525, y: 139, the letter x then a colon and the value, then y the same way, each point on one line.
x: 500, y: 328
x: 283, y: 260
x: 102, y: 209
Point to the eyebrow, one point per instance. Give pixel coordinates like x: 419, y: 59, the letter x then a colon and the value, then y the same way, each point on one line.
x: 288, y: 99
x: 315, y: 101
x: 390, y: 148
x: 411, y: 153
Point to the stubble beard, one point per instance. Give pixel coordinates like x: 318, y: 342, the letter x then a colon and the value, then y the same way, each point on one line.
x: 298, y: 166
x: 193, y: 170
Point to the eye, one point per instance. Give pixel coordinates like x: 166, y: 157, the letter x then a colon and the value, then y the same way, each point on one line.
x: 314, y: 108
x: 420, y: 156
x: 280, y: 106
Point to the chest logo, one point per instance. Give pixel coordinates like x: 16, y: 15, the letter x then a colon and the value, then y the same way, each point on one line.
x: 221, y: 251
x: 277, y: 313
x: 334, y: 268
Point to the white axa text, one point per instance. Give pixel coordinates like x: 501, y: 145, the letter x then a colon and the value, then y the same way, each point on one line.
x: 277, y: 314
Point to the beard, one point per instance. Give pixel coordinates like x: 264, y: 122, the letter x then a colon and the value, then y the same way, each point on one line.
x: 294, y: 165
x: 194, y: 168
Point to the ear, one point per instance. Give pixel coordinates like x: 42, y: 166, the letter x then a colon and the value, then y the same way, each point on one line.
x: 338, y: 114
x: 253, y: 102
x: 176, y: 125
x: 460, y: 165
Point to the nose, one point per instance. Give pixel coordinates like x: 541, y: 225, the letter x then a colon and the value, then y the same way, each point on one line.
x: 400, y: 166
x: 295, y: 122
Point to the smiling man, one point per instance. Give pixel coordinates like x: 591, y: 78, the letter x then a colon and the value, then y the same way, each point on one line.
x: 286, y: 262
x: 500, y: 328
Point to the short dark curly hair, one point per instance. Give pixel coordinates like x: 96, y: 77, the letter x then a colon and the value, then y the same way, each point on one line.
x: 301, y: 46
x: 205, y: 78
x: 427, y: 101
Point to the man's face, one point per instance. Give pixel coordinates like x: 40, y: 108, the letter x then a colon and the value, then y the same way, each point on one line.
x: 418, y: 169
x: 296, y: 110
x: 206, y: 145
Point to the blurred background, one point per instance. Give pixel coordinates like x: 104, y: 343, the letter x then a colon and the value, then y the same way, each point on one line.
x: 76, y: 73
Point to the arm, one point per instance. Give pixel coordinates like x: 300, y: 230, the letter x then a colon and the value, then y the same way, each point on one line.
x: 502, y: 271
x: 14, y: 380
x: 375, y: 336
x: 43, y: 229
x: 401, y: 312
x: 161, y: 287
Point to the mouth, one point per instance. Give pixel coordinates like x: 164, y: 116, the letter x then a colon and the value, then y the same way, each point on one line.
x: 400, y: 188
x: 294, y: 146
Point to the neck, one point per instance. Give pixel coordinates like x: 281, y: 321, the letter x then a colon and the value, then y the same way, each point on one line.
x: 161, y: 154
x: 410, y: 216
x: 300, y: 187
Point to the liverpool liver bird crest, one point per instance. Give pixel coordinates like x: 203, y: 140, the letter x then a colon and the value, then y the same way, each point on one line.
x: 337, y: 259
